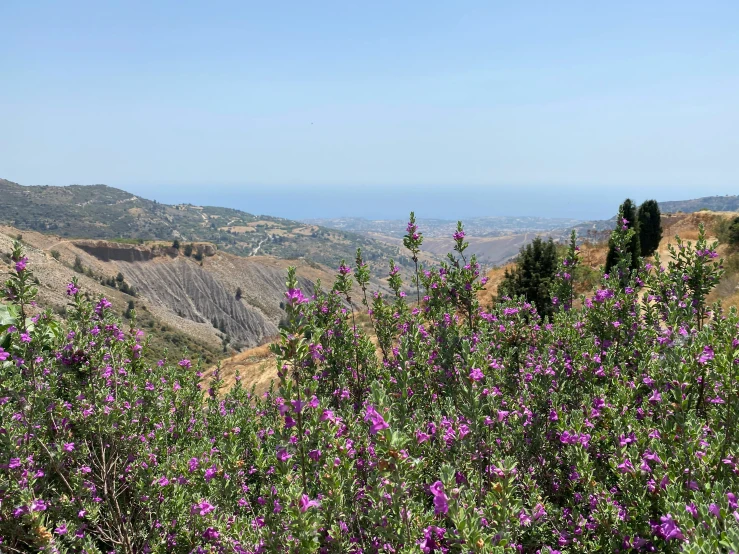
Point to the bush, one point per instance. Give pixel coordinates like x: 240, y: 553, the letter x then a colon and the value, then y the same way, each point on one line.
x: 733, y: 232
x: 627, y: 219
x: 55, y: 254
x: 533, y: 275
x: 452, y: 429
x: 78, y: 265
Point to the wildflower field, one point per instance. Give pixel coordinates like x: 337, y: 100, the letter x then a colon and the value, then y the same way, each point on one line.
x: 453, y: 427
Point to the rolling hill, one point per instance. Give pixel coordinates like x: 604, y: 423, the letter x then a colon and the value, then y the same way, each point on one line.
x: 103, y: 212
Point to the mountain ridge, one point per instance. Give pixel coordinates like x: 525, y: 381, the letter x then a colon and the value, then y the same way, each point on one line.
x: 104, y: 212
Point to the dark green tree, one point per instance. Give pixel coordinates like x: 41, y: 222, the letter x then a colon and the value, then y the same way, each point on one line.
x: 733, y: 232
x: 533, y: 275
x: 650, y: 227
x: 628, y: 218
x: 176, y: 244
x: 238, y: 293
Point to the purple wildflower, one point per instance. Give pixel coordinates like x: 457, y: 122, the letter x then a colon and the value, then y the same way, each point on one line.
x: 441, y: 501
x: 377, y: 422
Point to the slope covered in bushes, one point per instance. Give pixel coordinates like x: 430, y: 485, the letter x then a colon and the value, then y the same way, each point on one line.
x: 464, y: 428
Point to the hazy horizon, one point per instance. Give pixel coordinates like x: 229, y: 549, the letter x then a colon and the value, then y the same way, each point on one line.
x: 450, y: 203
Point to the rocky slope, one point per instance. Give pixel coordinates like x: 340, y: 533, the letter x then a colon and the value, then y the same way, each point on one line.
x: 194, y: 299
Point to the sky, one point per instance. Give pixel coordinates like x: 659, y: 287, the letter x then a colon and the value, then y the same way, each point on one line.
x: 321, y: 109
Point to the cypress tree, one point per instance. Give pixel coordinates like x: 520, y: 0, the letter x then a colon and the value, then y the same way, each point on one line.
x: 533, y: 275
x: 628, y: 212
x: 650, y: 227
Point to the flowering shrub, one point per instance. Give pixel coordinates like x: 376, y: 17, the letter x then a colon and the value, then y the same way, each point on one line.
x: 455, y: 427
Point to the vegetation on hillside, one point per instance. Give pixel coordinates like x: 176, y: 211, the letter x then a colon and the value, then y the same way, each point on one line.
x: 102, y: 212
x: 610, y: 426
x: 627, y: 219
x: 533, y: 275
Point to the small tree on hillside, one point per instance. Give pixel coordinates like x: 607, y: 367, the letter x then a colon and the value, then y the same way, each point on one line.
x: 628, y: 218
x: 176, y: 244
x: 78, y: 265
x: 238, y: 293
x: 533, y: 275
x: 650, y: 227
x: 732, y: 233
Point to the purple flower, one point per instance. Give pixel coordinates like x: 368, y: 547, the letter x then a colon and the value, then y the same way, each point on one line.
x: 669, y: 529
x: 459, y: 235
x: 421, y: 437
x: 187, y: 364
x: 20, y: 265
x: 102, y: 305
x: 38, y: 505
x: 524, y: 518
x: 68, y: 446
x: 441, y: 502
x: 476, y: 374
x: 3, y: 355
x: 295, y: 297
x: 202, y: 508
x: 72, y: 289
x: 539, y: 512
x: 626, y: 466
x: 283, y: 455
x: 706, y: 356
x: 377, y: 422
x: 61, y: 530
x: 305, y: 503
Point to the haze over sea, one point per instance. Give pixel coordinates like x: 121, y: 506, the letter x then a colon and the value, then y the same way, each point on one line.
x: 452, y: 202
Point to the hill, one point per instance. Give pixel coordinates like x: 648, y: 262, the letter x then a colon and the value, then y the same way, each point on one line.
x: 441, y: 228
x: 728, y: 203
x: 103, y: 212
x: 221, y: 302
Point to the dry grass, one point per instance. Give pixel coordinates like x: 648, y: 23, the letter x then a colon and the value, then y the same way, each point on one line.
x: 308, y: 230
x: 241, y: 229
x: 256, y: 366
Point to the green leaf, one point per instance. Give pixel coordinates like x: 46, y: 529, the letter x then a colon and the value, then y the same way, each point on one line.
x: 8, y: 316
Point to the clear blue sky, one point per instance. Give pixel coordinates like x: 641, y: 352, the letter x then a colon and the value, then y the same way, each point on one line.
x: 237, y: 100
